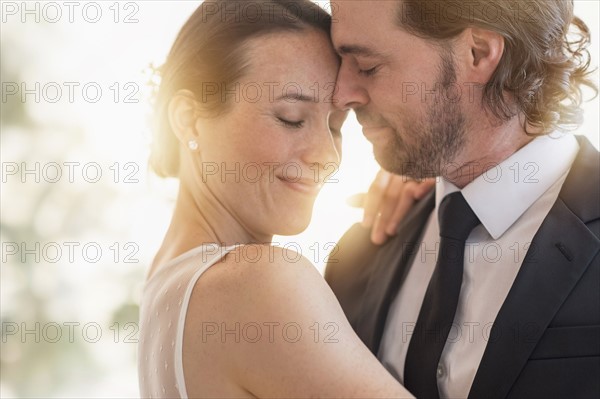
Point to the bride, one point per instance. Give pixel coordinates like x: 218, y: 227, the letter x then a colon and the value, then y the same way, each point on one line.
x: 247, y: 124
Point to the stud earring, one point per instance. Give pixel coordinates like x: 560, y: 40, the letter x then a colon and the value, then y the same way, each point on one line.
x: 193, y: 145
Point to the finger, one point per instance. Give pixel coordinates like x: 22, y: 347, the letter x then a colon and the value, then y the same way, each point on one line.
x: 395, y: 190
x: 378, y: 235
x: 374, y: 196
x: 357, y: 200
x: 403, y: 206
x: 423, y: 188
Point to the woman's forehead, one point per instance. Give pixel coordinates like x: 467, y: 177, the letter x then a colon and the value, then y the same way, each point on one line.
x: 305, y: 54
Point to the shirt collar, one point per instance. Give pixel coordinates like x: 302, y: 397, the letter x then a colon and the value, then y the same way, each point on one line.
x: 500, y: 196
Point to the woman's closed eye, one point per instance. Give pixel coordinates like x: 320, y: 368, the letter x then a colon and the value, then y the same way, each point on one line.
x: 291, y: 124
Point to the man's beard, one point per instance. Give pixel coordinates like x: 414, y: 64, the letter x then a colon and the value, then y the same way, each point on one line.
x: 435, y: 140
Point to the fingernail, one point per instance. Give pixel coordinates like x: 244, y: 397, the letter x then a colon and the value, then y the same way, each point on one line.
x: 378, y: 238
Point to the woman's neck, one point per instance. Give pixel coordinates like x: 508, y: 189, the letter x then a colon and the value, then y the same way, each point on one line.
x: 199, y: 219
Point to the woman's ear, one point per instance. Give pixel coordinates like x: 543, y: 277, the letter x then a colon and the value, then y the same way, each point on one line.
x: 182, y: 111
x: 486, y: 50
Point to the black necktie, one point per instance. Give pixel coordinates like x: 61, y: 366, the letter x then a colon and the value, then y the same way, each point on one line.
x: 456, y: 219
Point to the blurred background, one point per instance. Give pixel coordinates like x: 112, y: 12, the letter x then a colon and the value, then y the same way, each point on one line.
x: 81, y: 215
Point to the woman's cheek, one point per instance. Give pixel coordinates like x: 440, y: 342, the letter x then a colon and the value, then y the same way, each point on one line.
x: 271, y: 147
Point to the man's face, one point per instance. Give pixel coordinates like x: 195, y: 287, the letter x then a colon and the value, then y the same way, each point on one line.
x: 402, y: 88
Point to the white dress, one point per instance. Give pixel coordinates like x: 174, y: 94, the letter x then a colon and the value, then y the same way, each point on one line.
x: 162, y: 320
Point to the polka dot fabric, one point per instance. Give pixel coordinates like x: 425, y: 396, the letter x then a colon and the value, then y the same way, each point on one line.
x: 162, y: 321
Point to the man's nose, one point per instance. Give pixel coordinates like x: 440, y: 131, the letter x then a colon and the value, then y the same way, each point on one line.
x: 349, y: 93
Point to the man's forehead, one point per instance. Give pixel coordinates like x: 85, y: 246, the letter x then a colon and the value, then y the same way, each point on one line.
x: 357, y: 10
x: 358, y: 25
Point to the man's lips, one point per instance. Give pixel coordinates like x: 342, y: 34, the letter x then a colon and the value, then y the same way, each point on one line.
x: 374, y: 133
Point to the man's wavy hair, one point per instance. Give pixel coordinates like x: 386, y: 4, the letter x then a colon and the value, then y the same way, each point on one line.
x: 545, y: 63
x: 211, y: 48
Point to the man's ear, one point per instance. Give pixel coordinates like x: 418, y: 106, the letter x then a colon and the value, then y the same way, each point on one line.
x: 486, y: 50
x: 182, y: 111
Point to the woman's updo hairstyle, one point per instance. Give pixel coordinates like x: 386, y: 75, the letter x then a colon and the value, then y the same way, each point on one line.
x: 209, y: 56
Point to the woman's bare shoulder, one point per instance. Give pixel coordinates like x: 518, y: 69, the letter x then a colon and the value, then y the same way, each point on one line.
x: 261, y: 274
x: 255, y: 302
x: 269, y: 309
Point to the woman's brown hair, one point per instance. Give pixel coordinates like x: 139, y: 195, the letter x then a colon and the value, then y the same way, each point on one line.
x: 209, y: 54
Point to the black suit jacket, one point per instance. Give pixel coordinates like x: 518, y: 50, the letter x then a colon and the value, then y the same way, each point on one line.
x: 545, y: 341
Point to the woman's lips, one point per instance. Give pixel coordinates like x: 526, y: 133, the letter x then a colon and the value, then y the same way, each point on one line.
x: 304, y: 186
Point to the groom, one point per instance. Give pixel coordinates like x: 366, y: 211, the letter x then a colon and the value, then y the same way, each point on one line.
x: 491, y: 286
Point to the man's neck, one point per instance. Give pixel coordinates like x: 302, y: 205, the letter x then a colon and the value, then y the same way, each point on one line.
x: 487, y: 146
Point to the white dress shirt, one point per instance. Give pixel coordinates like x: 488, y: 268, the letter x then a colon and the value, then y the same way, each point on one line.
x: 511, y: 201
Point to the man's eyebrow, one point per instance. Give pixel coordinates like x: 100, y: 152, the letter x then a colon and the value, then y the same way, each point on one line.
x: 293, y: 97
x: 357, y: 50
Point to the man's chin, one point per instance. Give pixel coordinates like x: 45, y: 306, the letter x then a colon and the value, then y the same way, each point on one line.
x: 403, y: 165
x: 390, y: 161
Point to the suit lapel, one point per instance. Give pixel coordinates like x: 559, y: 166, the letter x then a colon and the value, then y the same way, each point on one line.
x: 554, y: 264
x: 391, y: 263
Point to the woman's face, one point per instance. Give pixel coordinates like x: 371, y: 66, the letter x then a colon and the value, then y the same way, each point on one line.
x: 268, y: 156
